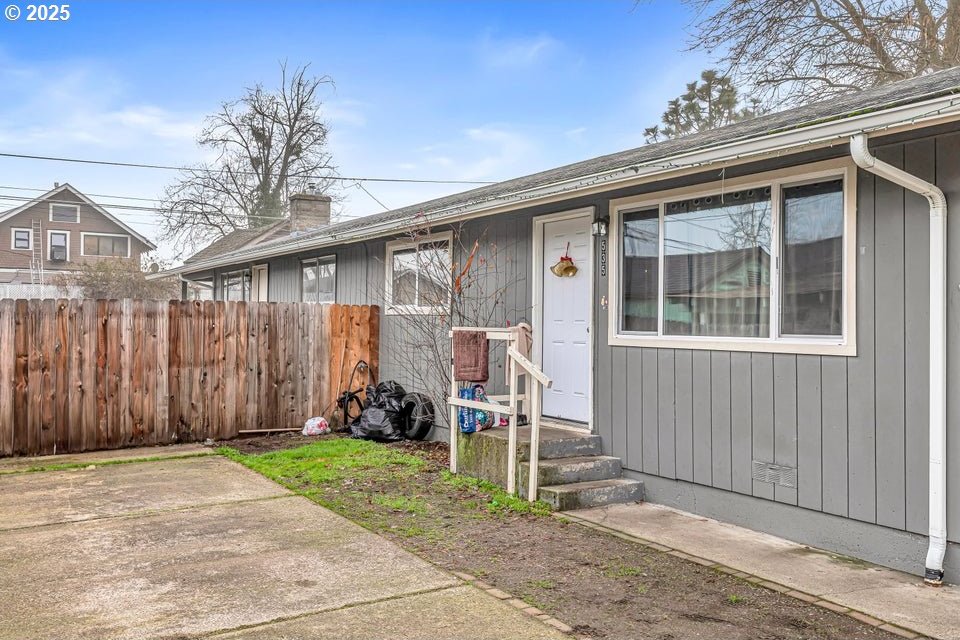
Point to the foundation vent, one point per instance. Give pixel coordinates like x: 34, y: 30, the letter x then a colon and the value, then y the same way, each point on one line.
x: 775, y: 474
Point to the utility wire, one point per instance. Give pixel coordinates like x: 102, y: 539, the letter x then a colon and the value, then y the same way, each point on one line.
x: 132, y: 210
x: 375, y: 198
x: 144, y: 165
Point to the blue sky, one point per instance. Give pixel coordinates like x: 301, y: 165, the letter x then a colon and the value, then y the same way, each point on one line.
x: 440, y: 90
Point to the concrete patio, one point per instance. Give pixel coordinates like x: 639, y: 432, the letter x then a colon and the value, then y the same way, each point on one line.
x: 201, y: 546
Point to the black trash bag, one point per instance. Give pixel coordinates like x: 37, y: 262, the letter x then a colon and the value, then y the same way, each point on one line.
x: 382, y: 418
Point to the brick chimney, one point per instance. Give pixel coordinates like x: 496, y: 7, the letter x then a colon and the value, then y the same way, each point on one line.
x: 310, y: 210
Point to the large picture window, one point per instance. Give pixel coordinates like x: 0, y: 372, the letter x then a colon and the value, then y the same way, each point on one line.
x: 106, y: 244
x: 759, y: 266
x: 319, y: 280
x: 419, y: 275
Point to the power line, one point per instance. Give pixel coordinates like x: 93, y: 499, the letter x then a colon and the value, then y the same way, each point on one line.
x: 165, y: 167
x: 133, y: 210
x: 375, y: 198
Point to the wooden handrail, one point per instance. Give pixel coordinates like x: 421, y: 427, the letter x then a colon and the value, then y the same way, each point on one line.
x: 517, y: 365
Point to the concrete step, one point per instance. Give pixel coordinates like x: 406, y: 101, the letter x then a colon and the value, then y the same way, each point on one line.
x: 595, y: 493
x: 561, y: 443
x: 575, y: 469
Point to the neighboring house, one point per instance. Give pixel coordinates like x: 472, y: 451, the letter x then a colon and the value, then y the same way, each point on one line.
x: 59, y: 231
x: 762, y: 311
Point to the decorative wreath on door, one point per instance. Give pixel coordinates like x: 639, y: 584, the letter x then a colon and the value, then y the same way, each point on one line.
x: 564, y: 267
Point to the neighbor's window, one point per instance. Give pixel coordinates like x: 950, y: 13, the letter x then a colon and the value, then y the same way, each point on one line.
x: 418, y: 275
x: 764, y: 263
x: 235, y: 286
x: 58, y: 246
x: 21, y: 238
x: 64, y: 213
x: 319, y: 280
x: 106, y: 245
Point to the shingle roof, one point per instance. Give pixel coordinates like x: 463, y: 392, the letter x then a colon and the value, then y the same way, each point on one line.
x: 885, y: 97
x: 236, y: 239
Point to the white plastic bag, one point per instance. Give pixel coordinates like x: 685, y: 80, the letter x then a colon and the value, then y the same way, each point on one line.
x: 316, y: 426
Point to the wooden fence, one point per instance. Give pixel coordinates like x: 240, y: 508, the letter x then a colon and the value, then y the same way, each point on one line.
x: 80, y: 375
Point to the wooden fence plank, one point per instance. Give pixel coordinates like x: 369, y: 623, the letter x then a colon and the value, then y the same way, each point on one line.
x: 21, y: 395
x: 133, y: 330
x: 46, y: 338
x: 116, y: 420
x: 228, y: 412
x: 87, y: 320
x: 8, y: 363
x: 60, y: 376
x: 162, y: 421
x: 124, y: 373
x: 174, y: 395
x: 148, y: 404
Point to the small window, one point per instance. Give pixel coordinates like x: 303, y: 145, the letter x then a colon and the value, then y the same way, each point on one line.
x: 235, y: 286
x: 64, y: 213
x: 22, y: 239
x: 106, y: 245
x: 58, y: 246
x: 319, y: 280
x: 418, y: 275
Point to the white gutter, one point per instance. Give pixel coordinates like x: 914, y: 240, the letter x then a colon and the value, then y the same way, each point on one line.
x: 828, y: 132
x: 938, y: 345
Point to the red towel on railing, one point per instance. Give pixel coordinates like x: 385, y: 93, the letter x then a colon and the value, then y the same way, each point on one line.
x: 471, y: 356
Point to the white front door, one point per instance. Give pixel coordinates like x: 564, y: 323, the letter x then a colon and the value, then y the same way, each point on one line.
x: 565, y: 321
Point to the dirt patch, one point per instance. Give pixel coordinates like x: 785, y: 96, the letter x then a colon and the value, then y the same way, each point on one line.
x: 602, y: 586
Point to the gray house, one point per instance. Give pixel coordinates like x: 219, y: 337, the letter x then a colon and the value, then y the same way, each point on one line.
x: 764, y: 326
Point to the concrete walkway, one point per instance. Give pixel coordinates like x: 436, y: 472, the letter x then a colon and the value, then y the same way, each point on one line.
x: 181, y: 548
x: 884, y: 594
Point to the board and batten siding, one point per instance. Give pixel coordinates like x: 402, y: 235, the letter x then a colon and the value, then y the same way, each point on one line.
x: 855, y: 428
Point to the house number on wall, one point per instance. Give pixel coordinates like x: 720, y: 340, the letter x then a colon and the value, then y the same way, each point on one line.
x: 603, y: 257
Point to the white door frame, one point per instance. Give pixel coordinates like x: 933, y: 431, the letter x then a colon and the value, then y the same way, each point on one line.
x: 254, y: 282
x: 538, y: 224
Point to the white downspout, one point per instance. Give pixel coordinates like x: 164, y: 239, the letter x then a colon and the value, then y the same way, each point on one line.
x: 938, y: 345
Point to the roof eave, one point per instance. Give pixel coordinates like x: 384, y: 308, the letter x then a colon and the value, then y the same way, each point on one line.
x: 827, y: 132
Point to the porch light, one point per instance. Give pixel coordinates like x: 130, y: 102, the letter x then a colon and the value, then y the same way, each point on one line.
x: 600, y: 226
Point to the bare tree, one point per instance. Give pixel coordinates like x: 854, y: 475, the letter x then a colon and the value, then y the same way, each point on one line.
x: 708, y: 103
x: 794, y: 51
x: 267, y: 144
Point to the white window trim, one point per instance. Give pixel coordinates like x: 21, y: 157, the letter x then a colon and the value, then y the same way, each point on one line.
x: 49, y: 247
x: 332, y: 257
x: 64, y: 204
x: 399, y: 245
x: 845, y: 345
x: 13, y: 236
x: 84, y: 234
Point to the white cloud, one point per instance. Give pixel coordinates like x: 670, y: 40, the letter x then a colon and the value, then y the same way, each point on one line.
x: 517, y: 53
x: 345, y: 112
x: 576, y: 135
